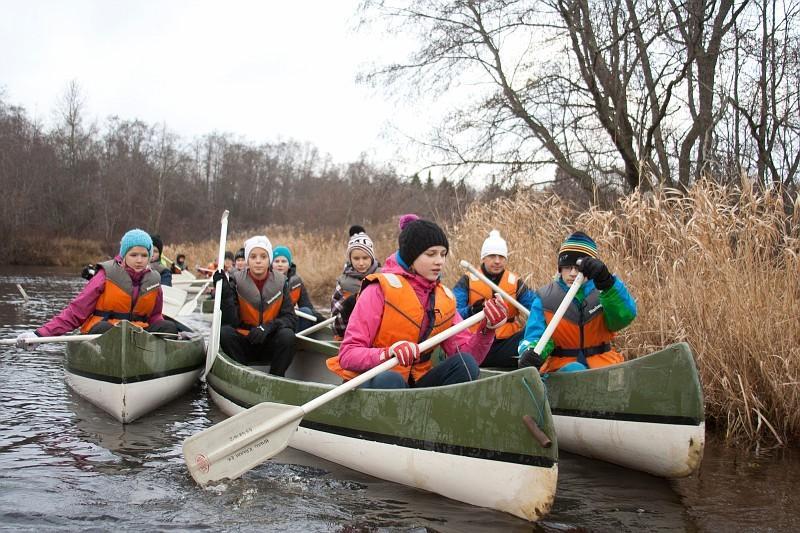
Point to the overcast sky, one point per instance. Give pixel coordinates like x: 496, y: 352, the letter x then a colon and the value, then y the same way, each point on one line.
x: 261, y: 69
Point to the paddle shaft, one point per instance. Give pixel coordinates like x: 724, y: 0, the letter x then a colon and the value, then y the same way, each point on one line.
x: 47, y: 340
x: 216, y: 318
x: 291, y: 415
x: 301, y: 314
x: 562, y: 308
x: 317, y: 327
x: 22, y: 292
x: 507, y: 297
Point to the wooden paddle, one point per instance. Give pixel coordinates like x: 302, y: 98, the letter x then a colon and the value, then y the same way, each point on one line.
x: 562, y: 308
x: 238, y: 444
x: 23, y: 293
x: 316, y: 327
x: 507, y: 297
x: 301, y: 314
x: 216, y: 319
x: 47, y: 340
x: 68, y: 338
x: 189, y: 307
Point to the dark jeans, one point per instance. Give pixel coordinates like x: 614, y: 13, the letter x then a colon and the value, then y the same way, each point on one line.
x: 276, y: 351
x: 503, y: 353
x: 459, y: 368
x: 162, y: 326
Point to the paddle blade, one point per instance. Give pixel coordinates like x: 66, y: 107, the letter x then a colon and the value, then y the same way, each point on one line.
x: 229, y: 449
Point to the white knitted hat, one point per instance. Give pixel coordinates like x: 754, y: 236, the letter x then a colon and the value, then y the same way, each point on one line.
x: 494, y: 245
x: 259, y: 241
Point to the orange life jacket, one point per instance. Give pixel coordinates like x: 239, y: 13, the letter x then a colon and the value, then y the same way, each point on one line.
x: 581, y: 335
x: 116, y: 301
x: 295, y: 288
x: 256, y: 308
x: 402, y: 320
x: 478, y: 290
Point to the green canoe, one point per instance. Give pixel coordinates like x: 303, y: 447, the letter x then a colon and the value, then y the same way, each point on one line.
x: 646, y: 414
x: 128, y: 372
x: 467, y: 442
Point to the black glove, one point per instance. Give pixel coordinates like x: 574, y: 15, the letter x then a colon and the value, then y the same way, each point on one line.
x: 318, y: 316
x: 530, y: 358
x: 348, y: 305
x: 596, y: 270
x: 88, y: 271
x: 259, y: 334
x: 477, y: 307
x: 220, y: 275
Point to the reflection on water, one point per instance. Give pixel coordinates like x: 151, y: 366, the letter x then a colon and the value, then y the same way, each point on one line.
x: 64, y: 464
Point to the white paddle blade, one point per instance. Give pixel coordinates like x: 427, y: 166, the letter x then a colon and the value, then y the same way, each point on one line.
x: 229, y: 449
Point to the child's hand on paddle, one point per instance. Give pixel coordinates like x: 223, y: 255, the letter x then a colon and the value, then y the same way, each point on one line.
x: 496, y: 312
x: 406, y: 352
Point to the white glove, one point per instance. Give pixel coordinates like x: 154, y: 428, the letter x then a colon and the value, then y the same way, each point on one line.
x: 186, y: 335
x: 23, y: 338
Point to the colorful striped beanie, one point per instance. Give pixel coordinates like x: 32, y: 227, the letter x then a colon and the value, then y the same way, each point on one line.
x: 574, y: 247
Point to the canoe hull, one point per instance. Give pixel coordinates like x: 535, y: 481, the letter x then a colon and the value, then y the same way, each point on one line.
x: 129, y: 401
x: 127, y: 372
x: 488, y: 460
x: 429, y: 470
x: 646, y: 414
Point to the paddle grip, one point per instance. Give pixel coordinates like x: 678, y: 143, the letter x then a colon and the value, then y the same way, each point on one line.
x: 536, y: 431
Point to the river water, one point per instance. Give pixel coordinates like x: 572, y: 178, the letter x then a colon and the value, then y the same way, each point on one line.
x: 66, y: 465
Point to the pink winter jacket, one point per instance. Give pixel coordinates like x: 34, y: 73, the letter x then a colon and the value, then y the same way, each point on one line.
x: 82, y: 307
x: 356, y: 352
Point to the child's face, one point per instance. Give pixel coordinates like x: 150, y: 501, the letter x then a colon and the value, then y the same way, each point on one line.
x: 137, y: 258
x: 568, y: 273
x: 360, y: 260
x: 280, y: 264
x: 258, y: 262
x: 228, y: 265
x: 430, y: 263
x: 156, y: 254
x: 494, y: 264
x: 240, y: 263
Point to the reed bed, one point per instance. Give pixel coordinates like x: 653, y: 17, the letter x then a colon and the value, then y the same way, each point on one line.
x: 718, y: 267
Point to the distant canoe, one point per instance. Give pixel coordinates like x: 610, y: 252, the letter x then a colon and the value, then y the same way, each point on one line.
x: 646, y: 414
x: 467, y: 442
x: 128, y: 372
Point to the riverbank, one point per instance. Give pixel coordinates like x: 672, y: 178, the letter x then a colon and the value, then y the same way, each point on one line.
x: 60, y: 251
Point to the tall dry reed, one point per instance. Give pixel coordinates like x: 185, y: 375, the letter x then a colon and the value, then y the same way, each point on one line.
x: 718, y: 268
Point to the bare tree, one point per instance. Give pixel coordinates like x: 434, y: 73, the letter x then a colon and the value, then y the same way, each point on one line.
x: 590, y: 86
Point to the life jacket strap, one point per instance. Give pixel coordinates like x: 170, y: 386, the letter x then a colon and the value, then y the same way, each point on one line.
x: 586, y: 352
x: 106, y: 315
